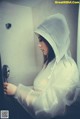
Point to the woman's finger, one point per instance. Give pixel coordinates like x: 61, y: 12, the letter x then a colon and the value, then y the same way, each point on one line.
x: 5, y: 92
x: 5, y: 87
x: 5, y: 84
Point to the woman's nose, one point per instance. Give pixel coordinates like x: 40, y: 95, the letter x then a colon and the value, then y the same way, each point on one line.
x: 39, y: 45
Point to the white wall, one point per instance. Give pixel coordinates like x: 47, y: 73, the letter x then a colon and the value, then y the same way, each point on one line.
x: 16, y: 43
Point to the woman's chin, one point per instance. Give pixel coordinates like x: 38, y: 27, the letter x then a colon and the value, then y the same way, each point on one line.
x: 44, y: 54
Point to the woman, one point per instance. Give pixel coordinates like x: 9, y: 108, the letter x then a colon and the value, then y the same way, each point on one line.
x: 55, y: 86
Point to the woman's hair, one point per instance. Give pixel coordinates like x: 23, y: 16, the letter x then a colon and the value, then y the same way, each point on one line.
x: 51, y: 54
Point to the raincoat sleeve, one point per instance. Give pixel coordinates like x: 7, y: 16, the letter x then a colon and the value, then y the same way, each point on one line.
x: 52, y: 101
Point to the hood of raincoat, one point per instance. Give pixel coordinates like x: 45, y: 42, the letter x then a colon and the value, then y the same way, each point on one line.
x: 55, y: 30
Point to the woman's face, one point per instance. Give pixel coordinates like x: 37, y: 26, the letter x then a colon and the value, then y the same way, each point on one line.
x: 43, y: 47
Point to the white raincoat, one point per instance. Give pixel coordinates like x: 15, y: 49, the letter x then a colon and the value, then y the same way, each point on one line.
x: 55, y: 86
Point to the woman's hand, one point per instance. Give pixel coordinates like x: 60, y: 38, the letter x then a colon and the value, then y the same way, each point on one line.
x: 9, y: 88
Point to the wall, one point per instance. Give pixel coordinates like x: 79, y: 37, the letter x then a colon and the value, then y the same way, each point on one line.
x: 16, y: 43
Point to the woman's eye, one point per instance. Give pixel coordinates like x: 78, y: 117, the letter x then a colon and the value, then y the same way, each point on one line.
x: 40, y: 40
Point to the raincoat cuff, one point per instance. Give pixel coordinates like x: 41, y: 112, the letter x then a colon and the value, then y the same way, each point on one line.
x: 22, y: 91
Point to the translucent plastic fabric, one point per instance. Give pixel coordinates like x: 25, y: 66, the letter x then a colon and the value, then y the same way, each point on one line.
x: 56, y: 85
